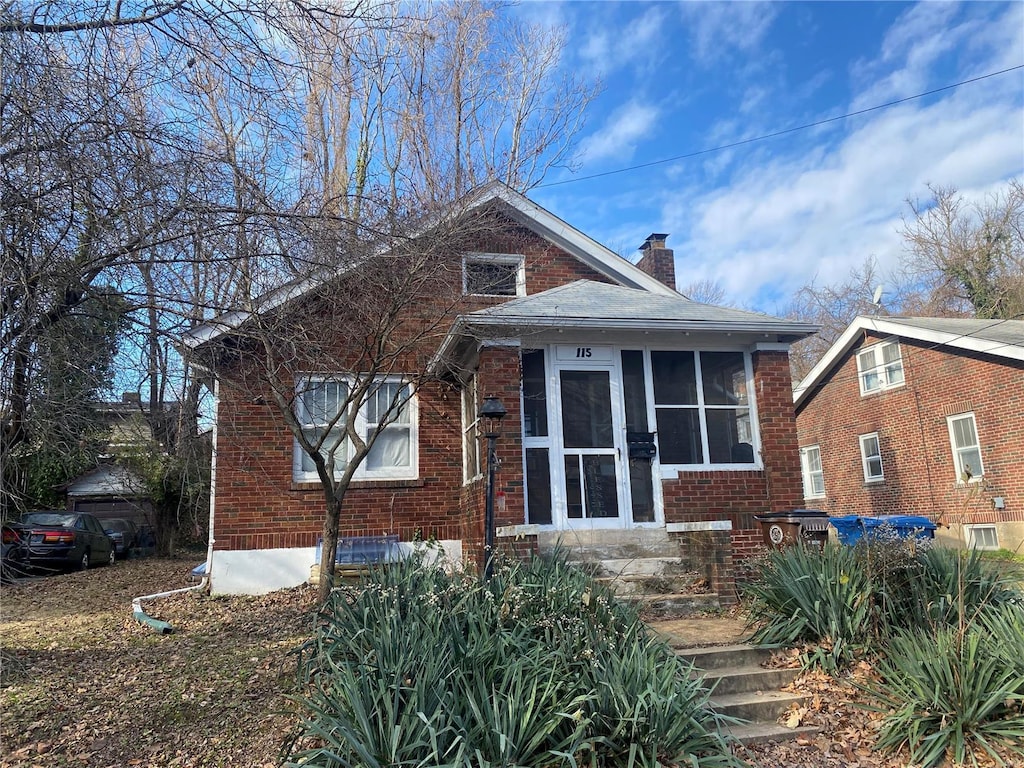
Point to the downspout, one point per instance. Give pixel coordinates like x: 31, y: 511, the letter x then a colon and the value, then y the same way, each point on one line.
x: 162, y: 627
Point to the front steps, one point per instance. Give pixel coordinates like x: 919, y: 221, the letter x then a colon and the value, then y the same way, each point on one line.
x: 642, y: 565
x: 742, y: 688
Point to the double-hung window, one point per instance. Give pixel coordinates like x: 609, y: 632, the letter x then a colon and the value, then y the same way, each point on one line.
x: 387, y: 416
x: 702, y: 407
x: 963, y: 436
x: 470, y: 431
x: 871, y: 458
x: 880, y: 367
x: 813, y: 475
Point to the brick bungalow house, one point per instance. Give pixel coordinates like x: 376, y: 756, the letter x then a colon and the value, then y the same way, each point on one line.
x: 920, y: 416
x: 634, y: 415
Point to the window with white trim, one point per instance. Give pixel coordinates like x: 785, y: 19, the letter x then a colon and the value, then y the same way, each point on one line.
x: 702, y: 408
x: 871, y: 458
x: 981, y: 537
x: 963, y: 437
x: 471, y: 468
x: 389, y: 412
x: 813, y: 475
x: 880, y: 367
x: 493, y: 274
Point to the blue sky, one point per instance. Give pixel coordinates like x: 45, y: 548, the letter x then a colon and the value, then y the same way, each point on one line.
x: 765, y: 218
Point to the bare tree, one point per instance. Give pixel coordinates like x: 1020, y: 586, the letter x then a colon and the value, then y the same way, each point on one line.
x: 970, y: 255
x: 705, y: 291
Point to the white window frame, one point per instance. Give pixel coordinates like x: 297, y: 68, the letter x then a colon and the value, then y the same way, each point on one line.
x: 960, y: 450
x: 865, y: 458
x: 970, y: 537
x: 495, y: 258
x: 886, y: 374
x: 702, y: 408
x: 363, y: 472
x: 809, y: 474
x: 472, y: 465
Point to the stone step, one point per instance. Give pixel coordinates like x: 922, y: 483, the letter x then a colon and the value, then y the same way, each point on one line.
x: 756, y: 706
x: 643, y: 566
x: 749, y: 679
x: 726, y: 656
x: 760, y: 733
x: 680, y: 604
x: 610, y: 544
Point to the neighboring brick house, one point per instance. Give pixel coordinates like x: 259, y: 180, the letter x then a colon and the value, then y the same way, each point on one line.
x: 597, y: 363
x: 920, y: 416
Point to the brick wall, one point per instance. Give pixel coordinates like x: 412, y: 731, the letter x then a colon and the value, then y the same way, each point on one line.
x: 917, y: 459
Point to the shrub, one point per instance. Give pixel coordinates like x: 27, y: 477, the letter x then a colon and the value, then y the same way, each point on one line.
x: 949, y: 693
x: 537, y: 667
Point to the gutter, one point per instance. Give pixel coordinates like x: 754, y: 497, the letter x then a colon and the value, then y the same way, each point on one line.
x: 162, y: 627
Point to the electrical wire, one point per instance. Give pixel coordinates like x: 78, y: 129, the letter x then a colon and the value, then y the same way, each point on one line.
x: 782, y: 132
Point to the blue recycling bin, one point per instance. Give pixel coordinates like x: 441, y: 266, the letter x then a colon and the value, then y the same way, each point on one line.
x: 852, y: 528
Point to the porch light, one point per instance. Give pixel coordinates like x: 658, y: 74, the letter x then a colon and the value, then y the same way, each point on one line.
x: 490, y: 414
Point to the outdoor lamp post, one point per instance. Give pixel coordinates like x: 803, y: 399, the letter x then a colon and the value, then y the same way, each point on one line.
x: 491, y: 413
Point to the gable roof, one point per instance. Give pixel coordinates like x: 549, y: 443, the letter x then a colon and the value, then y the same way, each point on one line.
x: 1000, y: 338
x: 517, y: 206
x: 601, y: 306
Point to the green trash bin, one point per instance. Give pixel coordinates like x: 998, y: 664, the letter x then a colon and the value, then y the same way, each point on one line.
x: 798, y: 526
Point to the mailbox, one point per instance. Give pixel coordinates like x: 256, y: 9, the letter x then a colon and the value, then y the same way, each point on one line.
x: 641, y: 445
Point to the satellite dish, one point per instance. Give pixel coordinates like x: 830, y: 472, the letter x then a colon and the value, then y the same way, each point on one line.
x: 876, y: 297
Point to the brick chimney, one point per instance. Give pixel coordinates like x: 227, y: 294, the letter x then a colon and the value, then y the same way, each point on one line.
x: 658, y: 261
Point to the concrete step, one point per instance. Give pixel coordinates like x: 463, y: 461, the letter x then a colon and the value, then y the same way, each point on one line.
x: 756, y: 706
x: 760, y: 733
x: 644, y: 566
x: 726, y: 656
x: 610, y: 544
x: 749, y: 679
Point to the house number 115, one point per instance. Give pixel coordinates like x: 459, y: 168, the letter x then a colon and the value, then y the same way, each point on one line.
x: 583, y: 352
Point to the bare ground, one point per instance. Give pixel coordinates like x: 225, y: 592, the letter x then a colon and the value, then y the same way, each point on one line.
x: 84, y: 685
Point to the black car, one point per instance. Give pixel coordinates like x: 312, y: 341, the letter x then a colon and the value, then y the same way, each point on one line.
x: 14, y: 552
x: 66, y: 540
x: 124, y: 533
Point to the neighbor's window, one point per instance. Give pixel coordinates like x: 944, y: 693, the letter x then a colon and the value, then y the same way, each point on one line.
x: 487, y: 274
x: 702, y: 407
x: 871, y: 458
x: 963, y: 436
x: 470, y: 431
x: 981, y: 537
x: 813, y: 475
x: 389, y: 413
x: 879, y: 367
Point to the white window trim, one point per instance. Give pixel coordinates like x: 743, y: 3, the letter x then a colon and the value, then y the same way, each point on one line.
x: 671, y: 471
x: 362, y: 472
x: 496, y: 258
x: 957, y: 458
x: 879, y: 367
x: 470, y: 432
x: 971, y: 542
x: 868, y: 477
x: 807, y: 475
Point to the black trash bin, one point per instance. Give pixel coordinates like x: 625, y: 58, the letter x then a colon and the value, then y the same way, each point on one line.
x: 798, y: 526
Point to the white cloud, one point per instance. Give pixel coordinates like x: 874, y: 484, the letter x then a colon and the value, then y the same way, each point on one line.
x: 619, y: 135
x: 718, y: 28
x: 610, y: 46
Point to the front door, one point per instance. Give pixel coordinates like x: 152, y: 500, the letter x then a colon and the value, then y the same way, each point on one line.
x: 591, y: 453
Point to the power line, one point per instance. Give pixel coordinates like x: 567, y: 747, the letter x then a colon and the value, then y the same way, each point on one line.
x: 784, y: 131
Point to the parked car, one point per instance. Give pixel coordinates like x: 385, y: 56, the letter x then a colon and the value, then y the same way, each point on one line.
x: 124, y: 533
x: 66, y: 540
x: 14, y: 552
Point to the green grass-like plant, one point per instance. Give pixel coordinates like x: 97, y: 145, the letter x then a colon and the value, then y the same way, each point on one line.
x: 539, y: 666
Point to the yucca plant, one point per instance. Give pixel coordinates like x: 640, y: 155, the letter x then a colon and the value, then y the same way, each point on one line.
x: 822, y: 597
x: 949, y: 694
x: 536, y: 667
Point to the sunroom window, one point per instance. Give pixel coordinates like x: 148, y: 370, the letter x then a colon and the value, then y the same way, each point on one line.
x: 880, y: 367
x: 387, y: 416
x: 701, y: 407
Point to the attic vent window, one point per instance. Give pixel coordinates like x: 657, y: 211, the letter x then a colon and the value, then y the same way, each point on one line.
x: 487, y: 274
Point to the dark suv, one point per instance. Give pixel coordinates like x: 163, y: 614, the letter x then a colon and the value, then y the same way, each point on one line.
x: 124, y: 533
x: 65, y: 540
